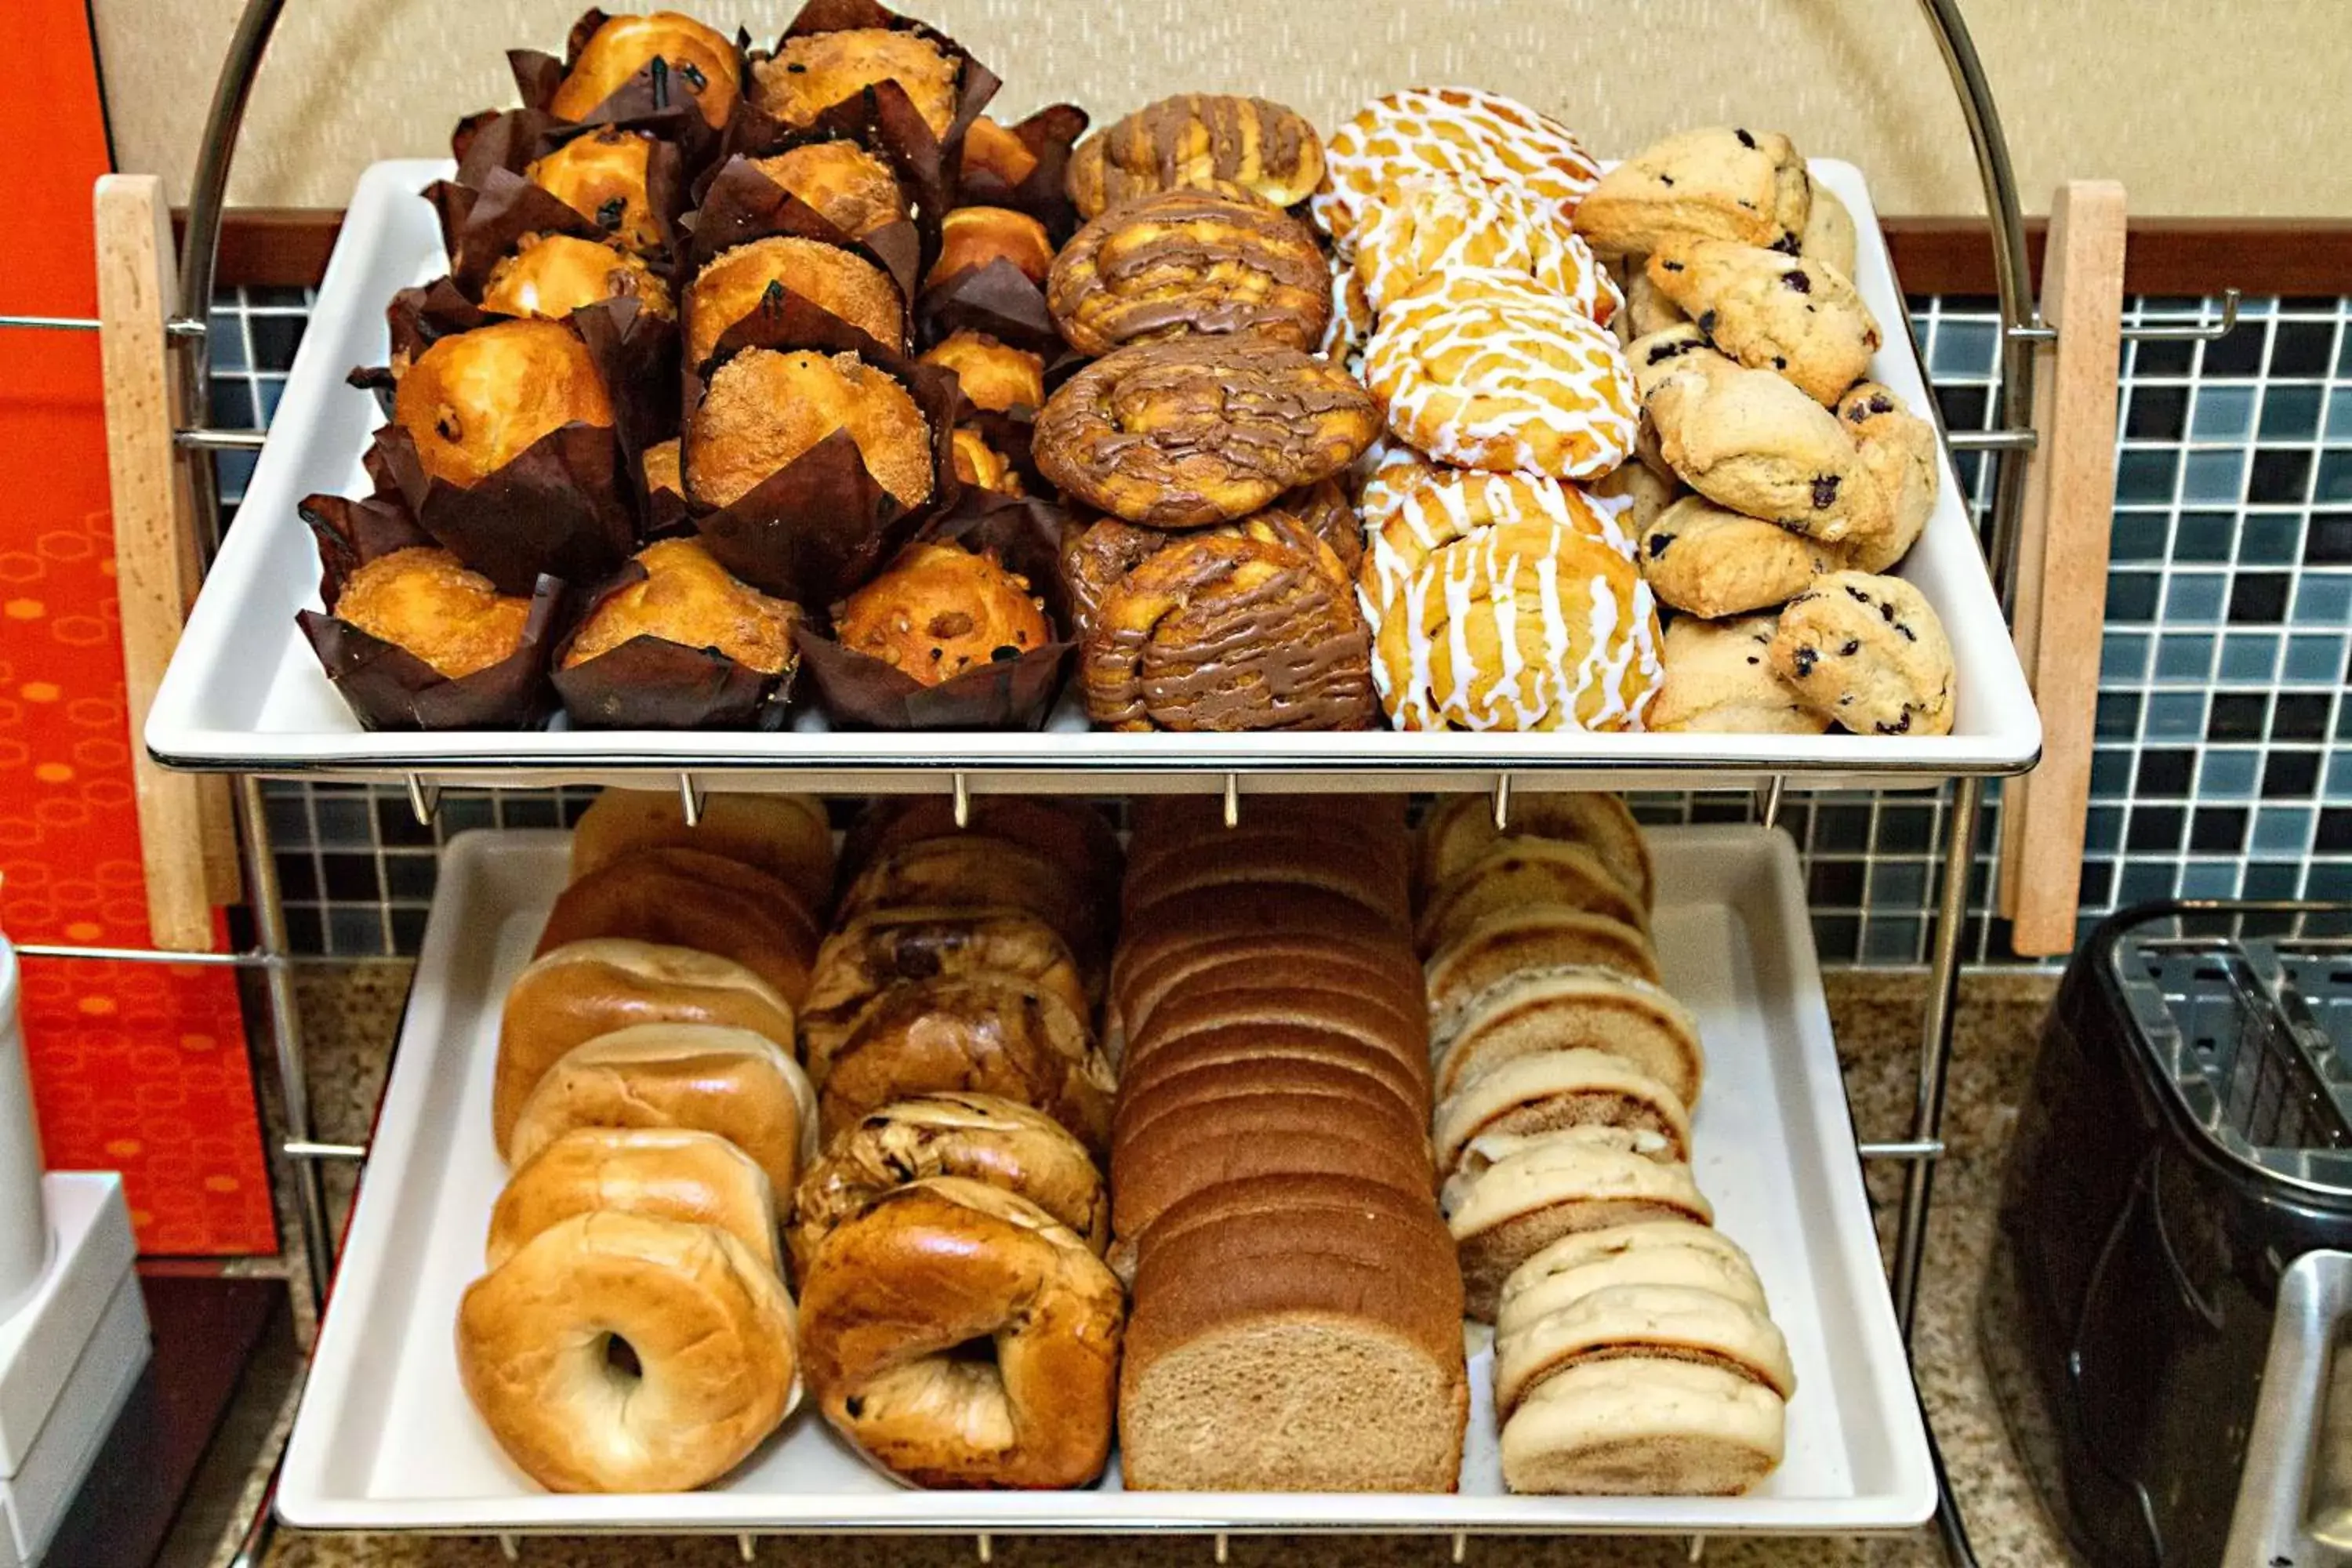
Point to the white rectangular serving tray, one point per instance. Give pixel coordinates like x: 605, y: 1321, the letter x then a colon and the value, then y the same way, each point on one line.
x: 385, y: 1439
x: 244, y: 692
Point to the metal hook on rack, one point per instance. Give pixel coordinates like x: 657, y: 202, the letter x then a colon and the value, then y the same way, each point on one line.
x: 424, y: 799
x: 2194, y: 331
x: 1502, y: 803
x: 961, y: 790
x: 986, y: 1545
x: 1698, y: 1547
x: 1767, y: 799
x: 1461, y: 1545
x: 1232, y: 800
x: 1223, y: 1545
x: 689, y: 800
x: 748, y: 1545
x: 510, y: 1548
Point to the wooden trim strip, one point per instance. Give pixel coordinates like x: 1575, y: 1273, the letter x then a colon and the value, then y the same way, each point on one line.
x: 288, y: 247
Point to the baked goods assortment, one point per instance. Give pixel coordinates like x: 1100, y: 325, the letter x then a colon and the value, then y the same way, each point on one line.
x: 1634, y: 1348
x: 634, y: 1330
x: 808, y: 308
x: 960, y: 1327
x: 1271, y: 1188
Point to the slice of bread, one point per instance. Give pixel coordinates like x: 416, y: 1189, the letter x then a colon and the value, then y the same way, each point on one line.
x: 1306, y: 1201
x: 1389, y: 977
x: 1512, y: 1196
x: 1548, y: 1091
x: 1574, y: 1009
x: 1208, y: 915
x: 1277, y: 1001
x: 1515, y: 872
x: 1662, y: 1323
x: 1315, y: 1087
x: 1180, y: 1154
x: 1359, y: 870
x: 1643, y: 1428
x: 1300, y: 1042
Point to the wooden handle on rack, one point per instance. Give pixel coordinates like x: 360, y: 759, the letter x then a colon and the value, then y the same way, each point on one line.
x: 186, y: 832
x: 2061, y: 563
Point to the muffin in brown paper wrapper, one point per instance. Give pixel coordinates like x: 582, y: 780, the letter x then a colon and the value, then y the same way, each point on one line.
x: 490, y: 205
x: 997, y: 299
x: 882, y: 118
x: 645, y: 102
x: 857, y: 690
x: 560, y: 508
x: 736, y: 203
x: 1043, y: 192
x: 653, y: 683
x: 820, y: 525
x: 389, y: 687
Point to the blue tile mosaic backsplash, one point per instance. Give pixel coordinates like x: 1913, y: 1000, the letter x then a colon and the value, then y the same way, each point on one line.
x: 2223, y: 766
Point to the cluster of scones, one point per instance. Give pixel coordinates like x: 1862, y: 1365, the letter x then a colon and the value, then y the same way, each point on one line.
x: 748, y: 356
x: 1633, y: 1347
x: 901, y: 1126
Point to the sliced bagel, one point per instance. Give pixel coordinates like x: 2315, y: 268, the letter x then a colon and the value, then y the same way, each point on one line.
x: 1516, y: 872
x: 1510, y: 1197
x: 1459, y: 831
x: 1640, y: 1427
x: 1574, y: 1009
x: 1509, y: 941
x: 1673, y: 1252
x: 1655, y: 1322
x: 1547, y: 1091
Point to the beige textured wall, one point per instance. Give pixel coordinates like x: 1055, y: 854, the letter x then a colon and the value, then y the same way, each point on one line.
x: 2199, y: 108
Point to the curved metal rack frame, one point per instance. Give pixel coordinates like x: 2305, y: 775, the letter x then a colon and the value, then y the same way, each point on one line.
x: 2024, y: 335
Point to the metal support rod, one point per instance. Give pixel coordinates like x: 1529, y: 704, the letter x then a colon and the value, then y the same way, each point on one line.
x: 2193, y: 331
x: 1502, y: 803
x: 200, y: 245
x: 149, y: 955
x: 52, y: 323
x: 206, y: 440
x: 1951, y: 1525
x: 1936, y: 1045
x: 689, y: 800
x: 303, y: 1148
x: 959, y: 806
x: 285, y: 1032
x: 1909, y: 1149
x: 1767, y: 799
x: 2013, y: 276
x: 1993, y: 440
x: 1232, y: 800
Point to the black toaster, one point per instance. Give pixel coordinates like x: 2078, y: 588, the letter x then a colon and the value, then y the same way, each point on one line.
x: 2187, y: 1137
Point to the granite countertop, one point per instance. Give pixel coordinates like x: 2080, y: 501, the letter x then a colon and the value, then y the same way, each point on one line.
x: 350, y: 1012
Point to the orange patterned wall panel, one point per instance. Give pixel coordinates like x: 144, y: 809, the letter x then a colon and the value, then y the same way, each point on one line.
x: 135, y: 1067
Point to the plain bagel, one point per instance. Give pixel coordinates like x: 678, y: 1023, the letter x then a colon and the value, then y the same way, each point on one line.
x: 1546, y: 1091
x: 691, y: 897
x: 982, y: 1137
x: 1515, y: 872
x: 1570, y: 1009
x: 668, y: 1173
x: 786, y: 836
x: 617, y: 1353
x: 583, y: 989
x: 1459, y: 831
x: 1640, y: 1427
x: 1663, y: 1322
x: 732, y: 1082
x: 959, y: 1336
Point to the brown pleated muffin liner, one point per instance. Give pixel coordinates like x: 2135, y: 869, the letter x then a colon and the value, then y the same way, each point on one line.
x: 557, y: 510
x: 857, y: 690
x: 819, y: 526
x: 1049, y: 134
x: 997, y: 299
x: 387, y: 686
x: 638, y: 104
x: 490, y: 206
x: 882, y: 118
x: 652, y: 683
x: 735, y: 203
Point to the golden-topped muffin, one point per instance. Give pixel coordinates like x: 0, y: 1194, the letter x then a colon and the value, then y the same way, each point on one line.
x: 688, y: 598
x: 602, y: 176
x: 849, y: 187
x: 974, y: 236
x: 763, y: 409
x: 737, y: 280
x: 939, y: 609
x: 554, y: 275
x: 812, y: 73
x: 703, y: 65
x: 995, y: 375
x: 475, y: 401
x: 425, y: 601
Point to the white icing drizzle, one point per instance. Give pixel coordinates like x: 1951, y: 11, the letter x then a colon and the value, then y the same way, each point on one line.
x: 1448, y: 130
x: 1528, y: 381
x: 1430, y: 221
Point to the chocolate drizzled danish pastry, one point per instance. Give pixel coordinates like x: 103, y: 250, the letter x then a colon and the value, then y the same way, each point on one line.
x: 1182, y: 261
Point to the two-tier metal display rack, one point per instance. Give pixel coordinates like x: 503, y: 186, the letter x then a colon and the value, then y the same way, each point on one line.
x: 1078, y: 765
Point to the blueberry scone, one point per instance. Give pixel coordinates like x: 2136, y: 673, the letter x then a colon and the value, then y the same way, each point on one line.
x: 1721, y: 183
x: 1792, y: 315
x: 1750, y: 441
x: 1828, y: 230
x: 1719, y: 679
x: 1705, y: 560
x: 1898, y: 448
x: 1869, y: 653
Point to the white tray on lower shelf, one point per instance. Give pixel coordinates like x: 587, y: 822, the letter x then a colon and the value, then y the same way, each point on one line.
x: 246, y: 693
x: 385, y: 1440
